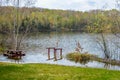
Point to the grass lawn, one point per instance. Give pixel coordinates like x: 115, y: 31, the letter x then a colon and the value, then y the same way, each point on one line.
x: 10, y: 71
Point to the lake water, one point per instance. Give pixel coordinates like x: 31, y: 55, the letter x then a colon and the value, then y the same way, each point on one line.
x: 35, y: 48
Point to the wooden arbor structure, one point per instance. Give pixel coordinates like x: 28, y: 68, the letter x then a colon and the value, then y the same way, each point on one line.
x: 55, y: 53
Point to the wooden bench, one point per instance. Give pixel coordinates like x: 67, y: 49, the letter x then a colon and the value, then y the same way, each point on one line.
x: 14, y: 54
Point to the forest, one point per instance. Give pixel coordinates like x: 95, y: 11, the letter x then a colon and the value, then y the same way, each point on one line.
x: 42, y: 20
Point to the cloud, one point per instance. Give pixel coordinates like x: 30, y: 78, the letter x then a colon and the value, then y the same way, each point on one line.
x: 81, y: 5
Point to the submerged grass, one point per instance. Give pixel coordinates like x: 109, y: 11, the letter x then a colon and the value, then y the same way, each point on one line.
x: 78, y: 57
x: 85, y: 57
x: 10, y: 71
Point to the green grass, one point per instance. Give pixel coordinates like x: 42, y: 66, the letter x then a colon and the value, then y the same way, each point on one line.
x: 10, y: 71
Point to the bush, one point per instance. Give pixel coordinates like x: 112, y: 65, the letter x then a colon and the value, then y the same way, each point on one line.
x: 79, y: 57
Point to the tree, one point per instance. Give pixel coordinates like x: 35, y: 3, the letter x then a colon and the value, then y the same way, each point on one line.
x: 15, y: 35
x: 106, y: 44
x: 116, y: 19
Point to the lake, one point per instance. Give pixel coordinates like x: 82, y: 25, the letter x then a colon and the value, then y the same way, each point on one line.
x: 35, y: 48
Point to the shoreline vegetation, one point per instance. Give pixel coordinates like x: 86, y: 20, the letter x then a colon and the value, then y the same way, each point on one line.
x: 42, y: 20
x: 11, y: 71
x: 85, y: 57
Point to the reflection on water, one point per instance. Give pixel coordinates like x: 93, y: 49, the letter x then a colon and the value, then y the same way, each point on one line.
x: 36, y: 52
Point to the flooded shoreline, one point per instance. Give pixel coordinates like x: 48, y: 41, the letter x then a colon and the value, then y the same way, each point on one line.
x: 35, y: 49
x: 43, y: 59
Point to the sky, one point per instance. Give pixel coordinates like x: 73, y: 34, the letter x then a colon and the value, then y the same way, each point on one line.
x: 77, y: 5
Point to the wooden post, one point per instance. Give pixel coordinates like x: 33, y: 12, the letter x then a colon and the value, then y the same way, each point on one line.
x: 60, y: 53
x: 20, y: 53
x: 48, y: 53
x: 55, y: 55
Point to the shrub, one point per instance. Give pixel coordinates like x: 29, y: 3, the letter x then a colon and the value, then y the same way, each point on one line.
x: 79, y: 57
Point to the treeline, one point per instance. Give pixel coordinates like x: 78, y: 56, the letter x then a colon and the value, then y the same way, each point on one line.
x: 39, y: 19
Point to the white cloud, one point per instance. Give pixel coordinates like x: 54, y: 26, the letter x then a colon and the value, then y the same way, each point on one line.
x: 81, y: 5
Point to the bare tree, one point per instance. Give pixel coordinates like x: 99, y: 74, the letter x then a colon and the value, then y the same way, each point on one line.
x: 102, y: 39
x: 103, y: 43
x: 78, y: 47
x: 116, y: 26
x: 110, y: 51
x: 15, y: 35
x: 116, y: 20
x: 22, y: 36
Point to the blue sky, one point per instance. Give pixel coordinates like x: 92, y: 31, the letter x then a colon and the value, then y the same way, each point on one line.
x: 79, y: 5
